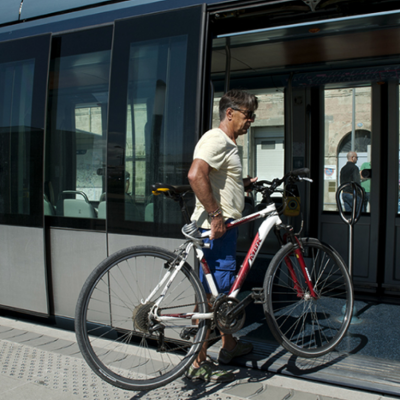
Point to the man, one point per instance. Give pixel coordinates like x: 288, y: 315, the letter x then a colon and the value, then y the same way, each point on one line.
x: 349, y: 173
x: 216, y: 179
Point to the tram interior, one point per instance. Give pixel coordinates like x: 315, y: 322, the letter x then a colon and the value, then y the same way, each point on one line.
x: 283, y: 66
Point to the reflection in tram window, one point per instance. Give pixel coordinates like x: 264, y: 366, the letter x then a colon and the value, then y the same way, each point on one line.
x: 76, y: 126
x: 347, y: 129
x: 154, y: 148
x: 16, y: 135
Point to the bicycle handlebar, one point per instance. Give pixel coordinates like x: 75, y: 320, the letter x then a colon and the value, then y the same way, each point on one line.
x: 177, y: 191
x: 295, y: 175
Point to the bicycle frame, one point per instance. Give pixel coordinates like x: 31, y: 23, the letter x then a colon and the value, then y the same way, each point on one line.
x: 271, y: 219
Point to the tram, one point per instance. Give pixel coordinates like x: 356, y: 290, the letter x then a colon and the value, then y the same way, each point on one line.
x: 101, y: 99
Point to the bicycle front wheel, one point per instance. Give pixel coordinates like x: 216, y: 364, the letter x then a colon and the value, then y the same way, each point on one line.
x: 308, y: 326
x: 116, y: 328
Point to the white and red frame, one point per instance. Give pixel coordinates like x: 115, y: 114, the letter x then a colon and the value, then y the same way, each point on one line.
x: 271, y: 219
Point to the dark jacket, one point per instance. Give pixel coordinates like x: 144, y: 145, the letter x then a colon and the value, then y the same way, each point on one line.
x: 349, y: 173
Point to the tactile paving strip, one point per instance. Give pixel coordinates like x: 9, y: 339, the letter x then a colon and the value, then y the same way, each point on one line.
x: 73, y: 376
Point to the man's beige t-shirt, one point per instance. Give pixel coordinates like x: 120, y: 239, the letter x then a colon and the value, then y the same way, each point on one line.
x: 222, y: 155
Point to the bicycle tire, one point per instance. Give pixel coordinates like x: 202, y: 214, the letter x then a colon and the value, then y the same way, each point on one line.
x: 111, y: 321
x: 305, y: 326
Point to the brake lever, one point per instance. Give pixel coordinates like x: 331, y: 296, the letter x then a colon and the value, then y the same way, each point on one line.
x: 305, y: 179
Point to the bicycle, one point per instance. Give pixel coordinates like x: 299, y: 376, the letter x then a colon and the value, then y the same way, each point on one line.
x: 142, y: 315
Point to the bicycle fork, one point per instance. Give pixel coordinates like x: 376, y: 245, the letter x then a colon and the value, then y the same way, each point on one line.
x: 299, y: 255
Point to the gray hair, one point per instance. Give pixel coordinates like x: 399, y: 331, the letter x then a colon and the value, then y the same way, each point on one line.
x: 237, y: 99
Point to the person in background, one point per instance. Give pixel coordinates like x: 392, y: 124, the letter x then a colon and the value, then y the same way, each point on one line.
x: 349, y: 173
x: 366, y: 185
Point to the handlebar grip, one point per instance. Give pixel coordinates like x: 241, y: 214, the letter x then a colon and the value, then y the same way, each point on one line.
x: 301, y: 172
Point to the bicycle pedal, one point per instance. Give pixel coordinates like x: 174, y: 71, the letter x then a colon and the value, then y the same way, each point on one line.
x: 258, y: 295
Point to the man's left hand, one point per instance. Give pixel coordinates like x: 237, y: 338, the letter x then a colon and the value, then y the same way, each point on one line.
x: 247, y: 182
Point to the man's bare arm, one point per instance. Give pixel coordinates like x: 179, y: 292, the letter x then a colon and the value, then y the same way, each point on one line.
x: 200, y: 182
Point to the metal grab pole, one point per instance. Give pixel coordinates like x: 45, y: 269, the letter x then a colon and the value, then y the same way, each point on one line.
x: 358, y: 201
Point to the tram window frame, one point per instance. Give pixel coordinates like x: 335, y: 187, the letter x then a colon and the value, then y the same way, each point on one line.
x: 94, y: 43
x: 24, y: 146
x: 139, y: 31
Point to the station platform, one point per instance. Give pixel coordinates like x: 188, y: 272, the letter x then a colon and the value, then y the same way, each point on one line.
x: 43, y: 362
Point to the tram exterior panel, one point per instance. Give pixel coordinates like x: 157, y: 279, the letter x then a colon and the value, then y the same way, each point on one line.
x: 99, y: 100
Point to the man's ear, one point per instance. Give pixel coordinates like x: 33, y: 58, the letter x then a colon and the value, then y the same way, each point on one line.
x: 229, y: 114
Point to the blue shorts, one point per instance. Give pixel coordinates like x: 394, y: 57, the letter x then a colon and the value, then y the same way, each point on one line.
x: 221, y: 259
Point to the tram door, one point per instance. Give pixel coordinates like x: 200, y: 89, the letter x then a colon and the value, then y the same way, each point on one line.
x: 119, y: 121
x: 356, y: 123
x: 154, y: 123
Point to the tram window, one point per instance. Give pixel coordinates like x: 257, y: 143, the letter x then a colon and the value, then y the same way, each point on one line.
x: 153, y: 117
x: 89, y: 151
x: 16, y: 82
x: 76, y: 125
x: 342, y: 136
x: 23, y: 78
x: 155, y: 104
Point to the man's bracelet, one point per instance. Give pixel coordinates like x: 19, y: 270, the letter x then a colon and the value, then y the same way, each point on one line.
x: 215, y: 213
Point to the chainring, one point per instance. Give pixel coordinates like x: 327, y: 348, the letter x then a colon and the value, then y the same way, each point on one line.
x: 221, y: 309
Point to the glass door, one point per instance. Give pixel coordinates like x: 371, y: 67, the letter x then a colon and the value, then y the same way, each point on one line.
x: 347, y: 141
x: 352, y: 137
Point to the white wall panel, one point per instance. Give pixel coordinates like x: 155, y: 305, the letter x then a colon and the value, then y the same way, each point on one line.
x: 74, y: 254
x: 22, y: 270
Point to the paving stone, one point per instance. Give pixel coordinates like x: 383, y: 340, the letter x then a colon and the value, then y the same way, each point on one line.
x: 24, y: 392
x: 70, y: 350
x: 4, y: 328
x: 305, y: 396
x: 26, y: 337
x: 11, y: 333
x: 257, y: 390
x: 297, y: 395
x: 40, y: 341
x: 8, y: 383
x: 56, y: 345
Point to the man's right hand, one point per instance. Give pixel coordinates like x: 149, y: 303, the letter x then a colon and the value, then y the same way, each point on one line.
x: 218, y: 227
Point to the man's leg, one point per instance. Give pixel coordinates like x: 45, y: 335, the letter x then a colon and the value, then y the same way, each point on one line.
x: 348, y: 201
x: 230, y: 348
x: 201, y: 369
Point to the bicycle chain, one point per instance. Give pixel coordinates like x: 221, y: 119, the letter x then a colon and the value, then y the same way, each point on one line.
x: 191, y: 344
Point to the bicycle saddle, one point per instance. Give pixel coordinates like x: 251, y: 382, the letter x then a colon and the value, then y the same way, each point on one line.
x: 170, y: 190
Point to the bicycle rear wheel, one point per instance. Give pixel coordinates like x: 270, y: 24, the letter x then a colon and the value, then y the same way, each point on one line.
x: 115, y: 333
x: 303, y: 325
